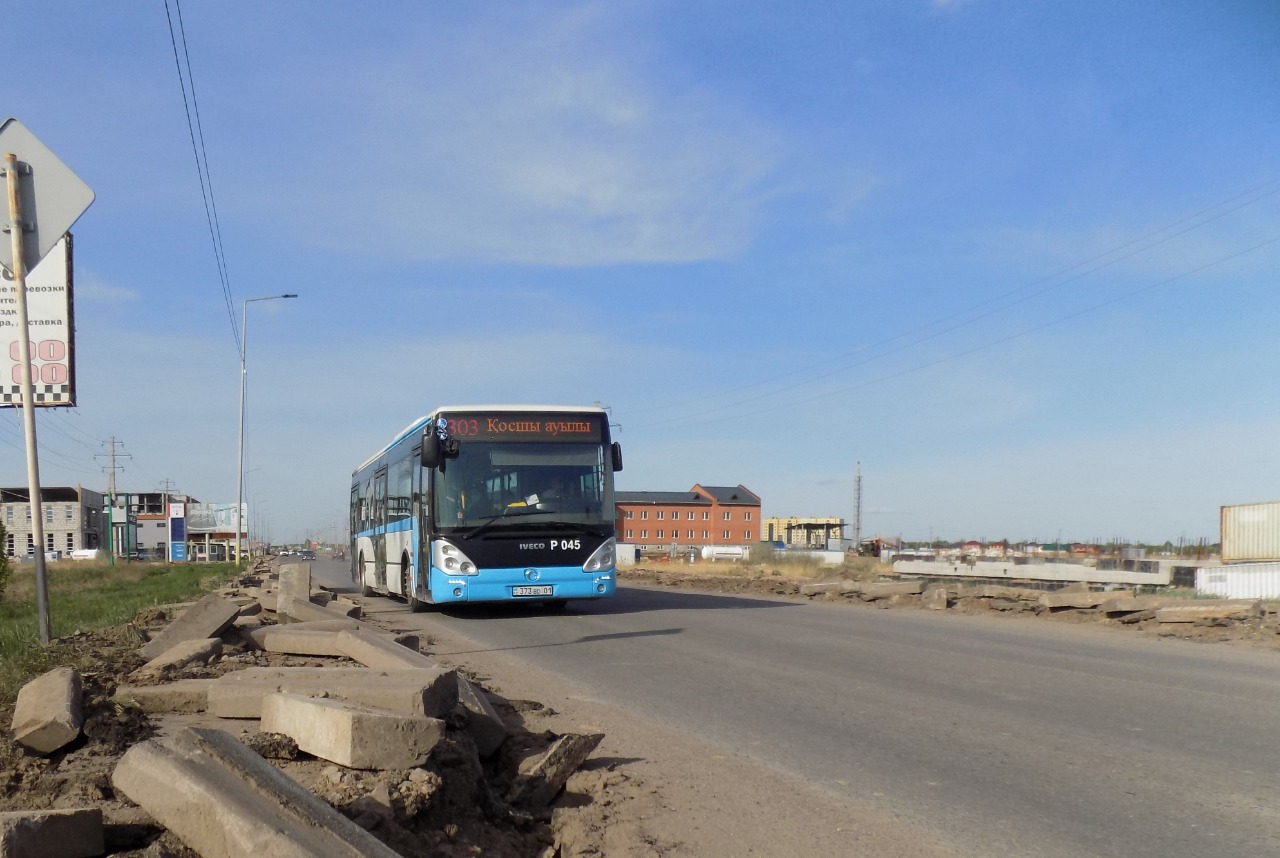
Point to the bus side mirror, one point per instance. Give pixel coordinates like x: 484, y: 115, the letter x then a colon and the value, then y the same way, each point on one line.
x: 430, y: 450
x: 616, y: 449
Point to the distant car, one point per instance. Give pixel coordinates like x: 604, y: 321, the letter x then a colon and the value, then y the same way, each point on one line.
x: 306, y: 554
x: 142, y: 554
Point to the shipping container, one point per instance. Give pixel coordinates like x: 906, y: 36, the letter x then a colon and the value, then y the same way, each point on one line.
x: 1251, y: 532
x: 1244, y: 581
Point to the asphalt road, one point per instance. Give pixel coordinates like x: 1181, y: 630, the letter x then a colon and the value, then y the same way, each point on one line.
x: 1001, y: 737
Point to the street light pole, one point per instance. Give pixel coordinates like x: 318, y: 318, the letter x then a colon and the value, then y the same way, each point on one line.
x: 244, y: 348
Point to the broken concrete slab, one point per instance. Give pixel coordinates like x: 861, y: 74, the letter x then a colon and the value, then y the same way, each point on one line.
x: 484, y: 724
x: 187, y: 652
x: 548, y: 773
x: 821, y: 587
x: 1072, y: 598
x: 379, y: 651
x: 185, y: 696
x: 222, y: 799
x: 251, y: 622
x: 318, y: 637
x: 996, y: 591
x: 292, y: 638
x: 300, y: 611
x: 75, y: 833
x: 208, y: 618
x: 295, y: 586
x: 416, y: 691
x: 1221, y: 609
x: 352, y: 734
x: 1129, y: 604
x: 873, y: 590
x: 47, y: 714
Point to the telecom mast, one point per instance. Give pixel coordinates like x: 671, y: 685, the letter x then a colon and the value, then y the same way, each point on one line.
x: 857, y: 510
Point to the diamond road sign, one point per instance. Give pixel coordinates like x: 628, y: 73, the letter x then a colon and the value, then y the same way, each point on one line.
x: 52, y: 197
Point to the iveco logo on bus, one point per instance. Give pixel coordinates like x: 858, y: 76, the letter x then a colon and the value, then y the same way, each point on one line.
x: 532, y: 546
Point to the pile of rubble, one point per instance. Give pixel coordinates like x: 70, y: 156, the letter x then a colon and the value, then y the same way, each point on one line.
x: 1168, y: 615
x: 268, y: 719
x: 1245, y: 620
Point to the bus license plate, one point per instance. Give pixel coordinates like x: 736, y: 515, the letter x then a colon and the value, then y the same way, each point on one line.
x: 531, y: 591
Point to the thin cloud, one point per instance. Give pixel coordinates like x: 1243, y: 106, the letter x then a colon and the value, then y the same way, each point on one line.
x: 91, y: 289
x: 568, y: 153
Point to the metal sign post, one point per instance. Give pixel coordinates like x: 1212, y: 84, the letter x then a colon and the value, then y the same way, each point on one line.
x: 43, y: 189
x: 28, y: 394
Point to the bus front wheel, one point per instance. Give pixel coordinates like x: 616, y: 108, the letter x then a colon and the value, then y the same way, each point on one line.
x: 406, y: 586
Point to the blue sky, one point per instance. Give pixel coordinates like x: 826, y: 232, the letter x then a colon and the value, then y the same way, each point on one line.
x: 1016, y: 259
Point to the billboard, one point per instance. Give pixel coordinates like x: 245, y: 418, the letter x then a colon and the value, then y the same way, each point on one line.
x: 51, y: 330
x: 214, y: 517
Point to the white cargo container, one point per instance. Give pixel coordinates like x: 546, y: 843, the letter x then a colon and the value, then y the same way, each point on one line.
x: 1251, y: 532
x: 1242, y: 581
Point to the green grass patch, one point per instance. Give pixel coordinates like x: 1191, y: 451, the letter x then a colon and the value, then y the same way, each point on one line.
x: 87, y: 596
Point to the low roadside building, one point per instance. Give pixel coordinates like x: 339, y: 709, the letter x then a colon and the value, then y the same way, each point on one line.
x: 73, y: 520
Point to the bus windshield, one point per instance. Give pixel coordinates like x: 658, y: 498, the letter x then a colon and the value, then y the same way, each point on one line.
x: 499, y: 483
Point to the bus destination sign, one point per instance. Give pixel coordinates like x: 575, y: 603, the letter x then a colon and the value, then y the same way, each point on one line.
x: 532, y: 426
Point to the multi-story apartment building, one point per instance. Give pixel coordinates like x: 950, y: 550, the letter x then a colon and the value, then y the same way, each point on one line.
x: 73, y: 520
x: 704, y: 515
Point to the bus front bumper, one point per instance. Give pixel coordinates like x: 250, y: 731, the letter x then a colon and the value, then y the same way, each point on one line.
x: 518, y: 585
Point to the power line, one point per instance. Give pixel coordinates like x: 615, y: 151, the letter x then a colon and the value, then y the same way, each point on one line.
x: 202, y: 165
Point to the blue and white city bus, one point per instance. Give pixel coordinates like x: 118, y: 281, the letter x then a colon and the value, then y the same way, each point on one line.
x: 489, y: 503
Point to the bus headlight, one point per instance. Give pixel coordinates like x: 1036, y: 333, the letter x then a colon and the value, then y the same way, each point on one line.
x: 449, y: 559
x: 602, y: 559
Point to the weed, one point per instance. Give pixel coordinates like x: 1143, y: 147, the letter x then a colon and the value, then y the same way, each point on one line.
x: 87, y: 596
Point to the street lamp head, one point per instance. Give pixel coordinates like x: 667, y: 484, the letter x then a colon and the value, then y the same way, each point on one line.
x: 270, y: 297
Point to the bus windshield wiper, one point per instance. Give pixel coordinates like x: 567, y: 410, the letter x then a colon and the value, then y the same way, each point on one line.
x: 489, y: 521
x: 484, y: 525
